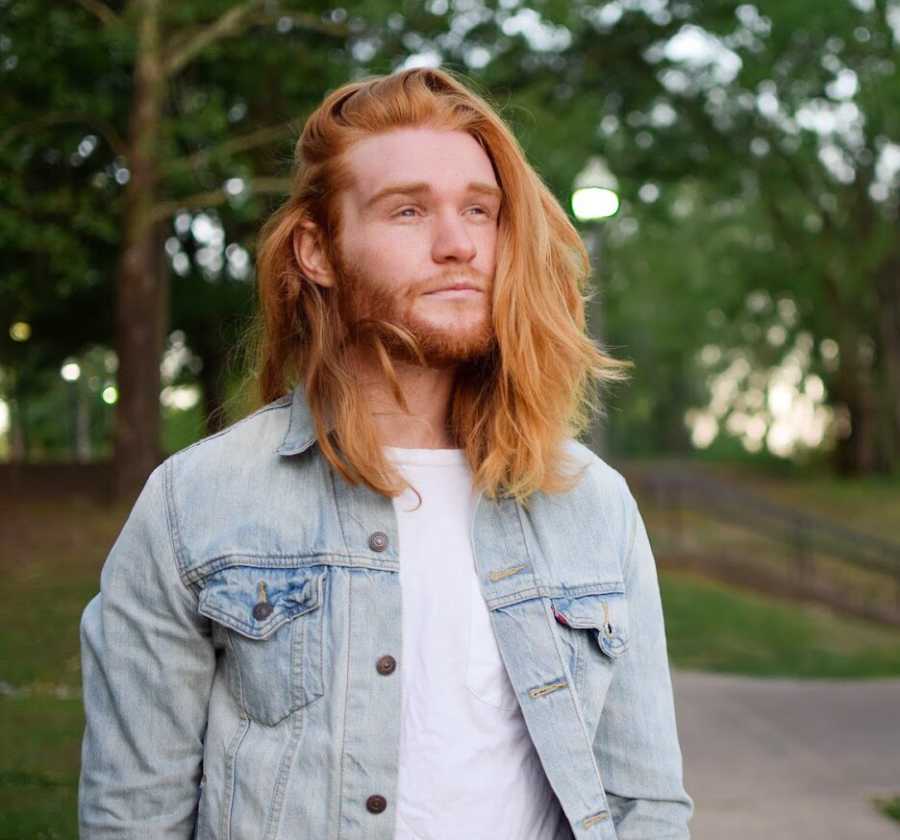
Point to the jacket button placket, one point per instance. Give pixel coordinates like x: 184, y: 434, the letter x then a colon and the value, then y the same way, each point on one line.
x: 370, y: 738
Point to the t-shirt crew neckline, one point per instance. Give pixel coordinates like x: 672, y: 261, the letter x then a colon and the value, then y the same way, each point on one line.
x: 430, y: 457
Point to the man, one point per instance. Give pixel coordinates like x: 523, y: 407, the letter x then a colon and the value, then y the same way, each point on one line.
x: 400, y: 600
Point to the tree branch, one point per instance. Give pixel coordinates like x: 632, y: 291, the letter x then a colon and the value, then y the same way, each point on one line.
x: 232, y: 22
x: 244, y: 143
x: 190, y: 43
x: 214, y: 198
x: 105, y: 129
x: 307, y: 21
x: 100, y: 10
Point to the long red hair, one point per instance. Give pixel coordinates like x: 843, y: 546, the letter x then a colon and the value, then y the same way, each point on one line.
x: 511, y: 412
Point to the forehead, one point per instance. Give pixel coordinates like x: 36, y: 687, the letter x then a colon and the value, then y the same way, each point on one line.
x: 447, y: 160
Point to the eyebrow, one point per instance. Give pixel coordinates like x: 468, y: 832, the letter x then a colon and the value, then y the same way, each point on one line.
x: 418, y: 187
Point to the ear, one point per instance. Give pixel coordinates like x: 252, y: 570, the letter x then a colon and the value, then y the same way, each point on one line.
x: 310, y: 255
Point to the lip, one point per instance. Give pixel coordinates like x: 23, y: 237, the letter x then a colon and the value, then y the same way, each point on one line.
x: 459, y: 290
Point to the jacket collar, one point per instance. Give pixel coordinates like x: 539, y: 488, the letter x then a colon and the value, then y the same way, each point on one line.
x: 301, y: 429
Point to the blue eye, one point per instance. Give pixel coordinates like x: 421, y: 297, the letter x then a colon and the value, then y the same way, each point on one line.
x: 404, y: 211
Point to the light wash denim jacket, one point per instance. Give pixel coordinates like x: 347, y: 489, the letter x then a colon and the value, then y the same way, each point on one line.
x: 234, y: 661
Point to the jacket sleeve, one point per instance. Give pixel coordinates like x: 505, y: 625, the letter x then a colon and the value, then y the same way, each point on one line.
x: 147, y: 665
x: 637, y: 742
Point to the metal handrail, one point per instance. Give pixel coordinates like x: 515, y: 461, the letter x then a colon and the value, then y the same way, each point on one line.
x: 804, y: 531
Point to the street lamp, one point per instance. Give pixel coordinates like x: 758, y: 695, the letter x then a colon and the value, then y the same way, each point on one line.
x: 595, y: 198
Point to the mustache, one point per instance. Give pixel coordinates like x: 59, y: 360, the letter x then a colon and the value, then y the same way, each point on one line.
x: 352, y: 281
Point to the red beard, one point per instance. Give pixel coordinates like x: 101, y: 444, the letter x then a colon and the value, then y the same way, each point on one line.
x: 367, y: 308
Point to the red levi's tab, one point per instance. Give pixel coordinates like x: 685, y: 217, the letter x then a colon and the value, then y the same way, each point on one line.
x: 560, y: 617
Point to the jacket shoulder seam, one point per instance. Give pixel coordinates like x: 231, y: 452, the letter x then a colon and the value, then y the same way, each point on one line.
x: 632, y: 506
x: 172, y: 522
x: 280, y: 403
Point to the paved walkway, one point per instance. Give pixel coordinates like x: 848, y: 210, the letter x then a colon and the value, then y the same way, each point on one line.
x: 786, y: 759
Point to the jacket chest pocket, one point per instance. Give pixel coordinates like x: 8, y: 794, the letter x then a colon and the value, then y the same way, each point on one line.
x: 270, y: 623
x: 595, y: 630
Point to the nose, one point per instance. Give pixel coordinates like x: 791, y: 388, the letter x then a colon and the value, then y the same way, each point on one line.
x: 452, y: 241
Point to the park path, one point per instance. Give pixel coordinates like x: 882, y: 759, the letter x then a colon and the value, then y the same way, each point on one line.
x: 788, y: 759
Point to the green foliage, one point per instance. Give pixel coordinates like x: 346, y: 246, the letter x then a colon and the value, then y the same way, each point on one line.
x: 182, y: 428
x: 747, y: 193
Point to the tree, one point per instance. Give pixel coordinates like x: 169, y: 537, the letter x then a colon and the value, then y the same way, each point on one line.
x: 800, y: 101
x: 124, y: 116
x: 124, y: 65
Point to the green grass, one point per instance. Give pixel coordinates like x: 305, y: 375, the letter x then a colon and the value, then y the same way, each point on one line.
x: 40, y: 739
x: 889, y: 807
x: 715, y: 627
x: 51, y: 559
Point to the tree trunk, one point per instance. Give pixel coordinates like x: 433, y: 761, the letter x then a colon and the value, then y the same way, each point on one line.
x: 856, y: 452
x: 141, y: 298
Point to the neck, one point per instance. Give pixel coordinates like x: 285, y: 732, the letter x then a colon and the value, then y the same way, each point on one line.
x: 427, y: 392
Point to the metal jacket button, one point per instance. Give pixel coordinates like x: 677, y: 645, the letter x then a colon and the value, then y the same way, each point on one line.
x: 376, y: 803
x: 386, y: 665
x: 262, y: 610
x: 378, y: 541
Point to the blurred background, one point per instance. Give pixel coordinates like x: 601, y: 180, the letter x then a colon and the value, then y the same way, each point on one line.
x: 735, y: 171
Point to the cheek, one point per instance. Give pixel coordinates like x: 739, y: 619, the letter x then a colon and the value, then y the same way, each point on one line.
x: 487, y: 251
x: 384, y: 272
x: 397, y: 259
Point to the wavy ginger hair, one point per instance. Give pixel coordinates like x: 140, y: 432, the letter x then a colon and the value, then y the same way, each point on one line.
x: 511, y: 411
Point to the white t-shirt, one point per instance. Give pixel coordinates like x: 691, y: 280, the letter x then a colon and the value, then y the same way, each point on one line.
x: 468, y: 767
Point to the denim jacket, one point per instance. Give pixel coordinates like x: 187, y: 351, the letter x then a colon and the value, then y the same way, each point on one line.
x: 233, y: 661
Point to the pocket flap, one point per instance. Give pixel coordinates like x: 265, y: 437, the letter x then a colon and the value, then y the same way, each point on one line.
x: 232, y: 596
x: 606, y: 613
